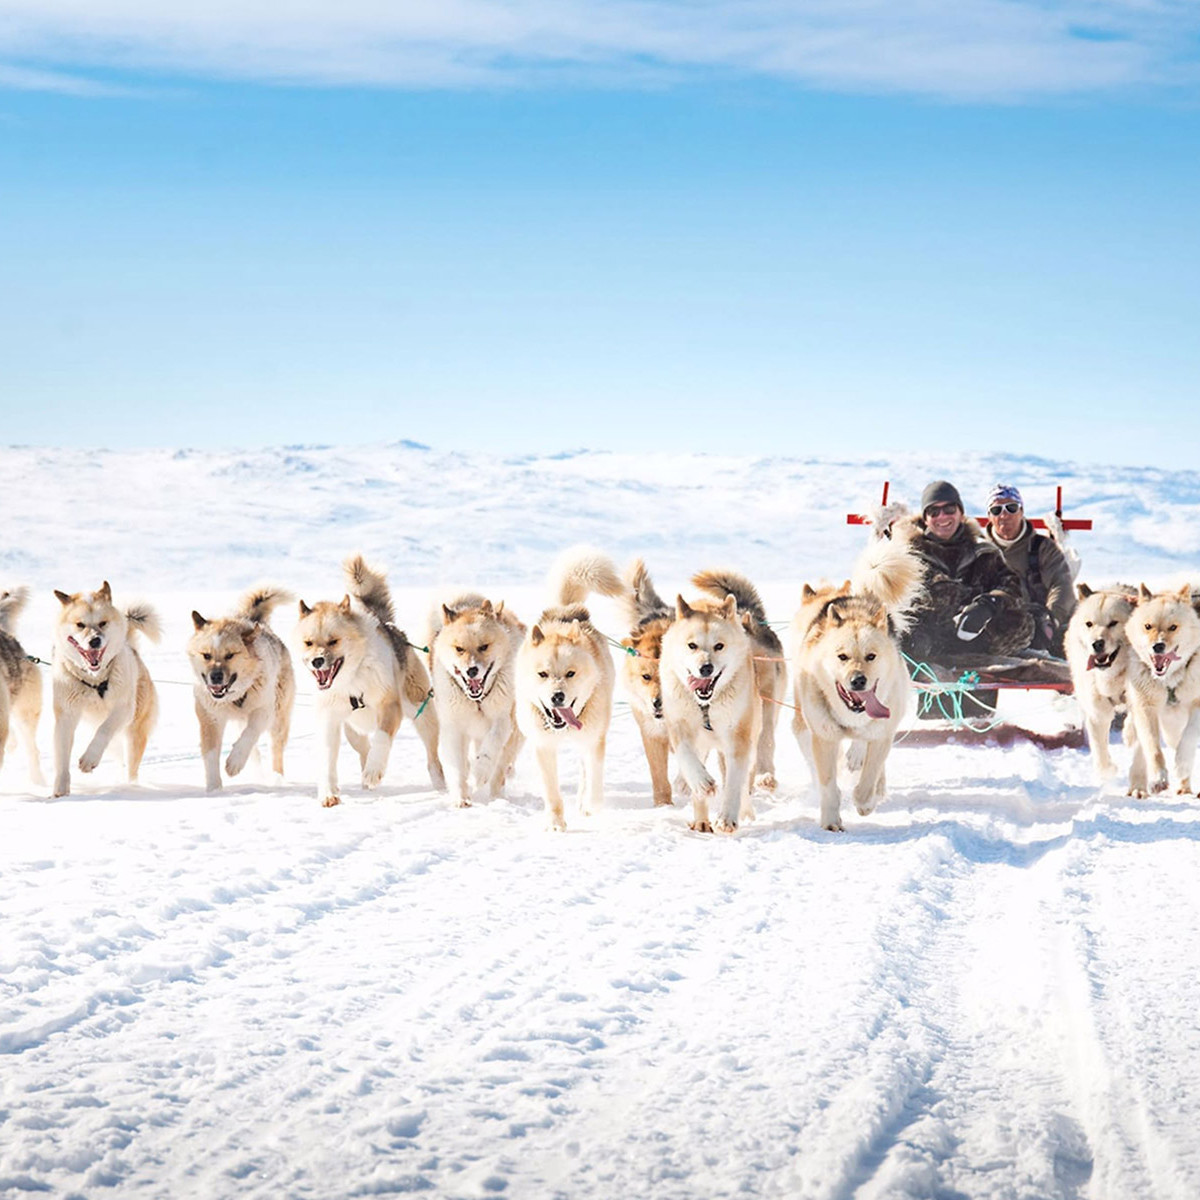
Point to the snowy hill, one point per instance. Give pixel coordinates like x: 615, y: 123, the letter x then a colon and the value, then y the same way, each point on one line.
x: 986, y: 989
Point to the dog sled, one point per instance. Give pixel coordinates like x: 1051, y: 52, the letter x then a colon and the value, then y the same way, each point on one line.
x: 959, y: 702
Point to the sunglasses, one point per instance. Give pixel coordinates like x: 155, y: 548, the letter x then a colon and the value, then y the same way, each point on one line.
x: 1011, y: 507
x: 941, y: 510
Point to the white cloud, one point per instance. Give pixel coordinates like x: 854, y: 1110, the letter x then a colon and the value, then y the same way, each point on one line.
x: 955, y: 48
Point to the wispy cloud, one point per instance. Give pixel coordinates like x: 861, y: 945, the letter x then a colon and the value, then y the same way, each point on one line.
x: 953, y: 48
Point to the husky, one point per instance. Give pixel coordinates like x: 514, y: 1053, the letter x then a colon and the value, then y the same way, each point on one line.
x: 243, y: 673
x: 1163, y: 687
x: 368, y: 679
x: 711, y: 701
x: 850, y: 678
x: 100, y: 678
x: 20, y: 686
x: 770, y: 674
x: 565, y: 678
x: 473, y: 647
x: 649, y: 618
x: 1098, y: 653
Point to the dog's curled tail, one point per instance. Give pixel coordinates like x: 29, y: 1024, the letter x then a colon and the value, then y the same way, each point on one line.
x: 370, y: 587
x: 642, y: 601
x: 258, y: 603
x: 890, y: 571
x: 11, y: 603
x: 724, y: 583
x: 142, y: 619
x: 581, y: 571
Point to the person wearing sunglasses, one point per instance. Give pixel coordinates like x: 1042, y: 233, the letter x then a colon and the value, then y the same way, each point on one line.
x: 1040, y: 565
x: 973, y: 602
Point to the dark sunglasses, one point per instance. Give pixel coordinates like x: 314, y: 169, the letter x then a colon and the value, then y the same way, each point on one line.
x: 941, y: 510
x: 1011, y: 507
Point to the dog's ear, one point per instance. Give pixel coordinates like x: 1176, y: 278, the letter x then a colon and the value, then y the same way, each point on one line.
x: 104, y: 595
x: 486, y: 609
x: 844, y: 590
x: 835, y: 615
x: 1133, y: 599
x: 1083, y: 591
x: 198, y: 620
x: 1144, y: 592
x: 448, y: 614
x: 729, y: 610
x: 879, y: 617
x: 304, y: 609
x: 345, y: 604
x: 683, y: 609
x: 500, y: 608
x: 1185, y: 592
x: 747, y: 620
x: 250, y: 634
x: 63, y: 598
x: 807, y: 593
x: 574, y: 632
x: 536, y: 636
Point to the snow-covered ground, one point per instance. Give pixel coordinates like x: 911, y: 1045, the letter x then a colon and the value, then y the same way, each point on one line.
x: 987, y: 989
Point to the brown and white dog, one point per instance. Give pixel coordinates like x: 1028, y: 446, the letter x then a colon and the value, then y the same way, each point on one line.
x: 100, y: 679
x: 1163, y: 687
x: 473, y: 646
x: 1098, y: 653
x: 368, y: 679
x: 243, y: 674
x: 712, y: 700
x: 565, y: 678
x: 850, y: 681
x: 20, y: 686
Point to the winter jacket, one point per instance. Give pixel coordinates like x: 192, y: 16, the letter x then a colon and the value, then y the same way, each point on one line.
x: 1048, y: 588
x: 957, y: 572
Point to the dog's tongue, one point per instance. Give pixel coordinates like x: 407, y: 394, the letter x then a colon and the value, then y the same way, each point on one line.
x: 701, y: 683
x: 1162, y: 661
x: 565, y: 712
x: 874, y: 706
x: 1097, y: 660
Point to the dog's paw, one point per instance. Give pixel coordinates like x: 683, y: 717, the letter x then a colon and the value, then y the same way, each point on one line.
x: 1184, y: 788
x: 465, y: 802
x: 213, y: 785
x: 765, y: 782
x: 88, y: 762
x: 1138, y: 793
x: 724, y: 825
x: 556, y: 823
x: 235, y: 763
x: 833, y: 826
x: 856, y: 755
x: 663, y: 800
x: 865, y: 808
x: 371, y: 775
x: 700, y: 827
x: 1160, y: 784
x: 331, y: 801
x: 60, y: 790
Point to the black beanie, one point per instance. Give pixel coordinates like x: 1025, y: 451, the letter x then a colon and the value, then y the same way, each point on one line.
x: 940, y: 492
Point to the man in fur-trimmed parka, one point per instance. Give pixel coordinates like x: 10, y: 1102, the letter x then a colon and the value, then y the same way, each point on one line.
x: 973, y: 603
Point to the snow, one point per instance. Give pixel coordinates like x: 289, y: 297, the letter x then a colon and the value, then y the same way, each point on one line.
x: 985, y: 989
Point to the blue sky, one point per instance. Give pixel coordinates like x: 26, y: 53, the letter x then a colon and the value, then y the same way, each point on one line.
x: 756, y: 228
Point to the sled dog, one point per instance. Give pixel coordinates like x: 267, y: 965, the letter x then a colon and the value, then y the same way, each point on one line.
x: 368, y: 678
x: 770, y: 674
x: 473, y: 647
x: 244, y: 674
x: 1099, y: 655
x: 850, y: 681
x: 565, y: 678
x: 711, y: 700
x: 649, y: 617
x: 99, y: 678
x: 20, y: 686
x: 1163, y: 687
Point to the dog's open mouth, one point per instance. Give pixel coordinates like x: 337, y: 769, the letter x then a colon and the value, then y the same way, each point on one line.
x: 475, y: 688
x: 560, y: 716
x: 1101, y: 662
x: 1163, y: 661
x: 218, y: 691
x: 704, y: 685
x: 89, y: 656
x: 326, y: 675
x: 864, y: 702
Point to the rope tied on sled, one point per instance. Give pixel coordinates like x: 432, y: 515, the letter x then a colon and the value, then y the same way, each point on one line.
x: 949, y: 697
